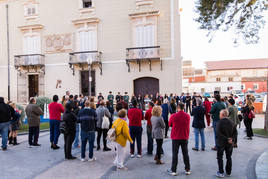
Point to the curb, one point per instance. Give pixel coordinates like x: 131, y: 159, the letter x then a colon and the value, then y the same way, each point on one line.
x: 261, y: 136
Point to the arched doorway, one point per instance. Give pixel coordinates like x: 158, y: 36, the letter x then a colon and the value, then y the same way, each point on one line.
x: 146, y: 85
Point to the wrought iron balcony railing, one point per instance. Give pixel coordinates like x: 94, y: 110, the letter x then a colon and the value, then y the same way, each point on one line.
x: 139, y: 54
x: 85, y: 58
x: 29, y: 60
x: 143, y: 53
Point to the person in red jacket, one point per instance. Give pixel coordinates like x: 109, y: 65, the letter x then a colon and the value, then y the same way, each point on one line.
x: 55, y: 111
x: 180, y: 123
x: 207, y: 105
x: 135, y: 117
x: 148, y: 115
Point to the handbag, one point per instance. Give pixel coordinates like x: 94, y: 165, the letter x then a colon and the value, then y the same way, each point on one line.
x: 63, y: 127
x: 251, y: 114
x: 105, y: 122
x: 111, y: 135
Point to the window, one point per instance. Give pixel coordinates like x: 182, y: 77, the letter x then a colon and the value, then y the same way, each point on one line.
x: 243, y: 87
x: 87, y: 3
x: 218, y: 79
x: 87, y: 40
x: 145, y: 36
x: 230, y: 79
x: 31, y: 44
x: 255, y: 86
x: 30, y: 10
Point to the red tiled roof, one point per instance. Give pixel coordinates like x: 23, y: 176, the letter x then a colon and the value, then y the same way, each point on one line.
x: 237, y: 64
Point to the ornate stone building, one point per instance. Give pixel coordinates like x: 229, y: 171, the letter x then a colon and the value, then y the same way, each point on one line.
x: 128, y: 45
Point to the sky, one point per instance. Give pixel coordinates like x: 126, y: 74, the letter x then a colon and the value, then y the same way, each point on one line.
x: 196, y: 46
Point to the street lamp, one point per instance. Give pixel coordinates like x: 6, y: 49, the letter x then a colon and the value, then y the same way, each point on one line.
x: 89, y: 61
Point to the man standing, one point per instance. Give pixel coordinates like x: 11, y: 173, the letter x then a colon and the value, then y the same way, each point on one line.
x: 188, y: 103
x: 148, y: 115
x: 118, y: 97
x: 87, y: 117
x: 33, y: 112
x: 55, y: 111
x: 182, y: 98
x: 215, y: 112
x: 226, y: 132
x: 5, y: 117
x: 111, y: 98
x: 126, y: 98
x: 180, y: 123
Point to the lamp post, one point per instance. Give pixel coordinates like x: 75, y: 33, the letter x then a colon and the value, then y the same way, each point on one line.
x: 89, y: 61
x: 8, y: 53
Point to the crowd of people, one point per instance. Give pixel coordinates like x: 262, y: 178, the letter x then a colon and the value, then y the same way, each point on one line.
x: 122, y: 117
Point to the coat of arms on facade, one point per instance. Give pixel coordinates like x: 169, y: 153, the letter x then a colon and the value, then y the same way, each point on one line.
x: 58, y: 43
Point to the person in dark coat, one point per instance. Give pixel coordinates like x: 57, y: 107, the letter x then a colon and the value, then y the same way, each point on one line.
x: 70, y: 120
x: 248, y: 119
x: 5, y: 117
x: 199, y: 124
x: 111, y: 110
x: 165, y: 112
x: 226, y: 134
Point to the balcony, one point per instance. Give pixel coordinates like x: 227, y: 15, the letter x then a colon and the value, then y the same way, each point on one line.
x: 139, y: 54
x: 83, y: 59
x: 30, y: 63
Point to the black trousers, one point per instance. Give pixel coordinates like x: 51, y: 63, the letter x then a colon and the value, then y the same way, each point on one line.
x: 100, y: 133
x: 228, y: 152
x: 159, y: 149
x: 175, y: 150
x: 167, y: 127
x: 188, y: 105
x: 248, y: 124
x: 33, y: 135
x: 68, y: 142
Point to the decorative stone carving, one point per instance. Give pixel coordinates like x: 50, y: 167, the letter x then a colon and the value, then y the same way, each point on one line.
x: 58, y: 43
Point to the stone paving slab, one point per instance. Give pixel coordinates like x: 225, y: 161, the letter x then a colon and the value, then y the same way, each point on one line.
x: 262, y: 166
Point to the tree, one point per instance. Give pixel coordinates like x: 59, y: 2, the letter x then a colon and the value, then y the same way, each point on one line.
x: 244, y: 17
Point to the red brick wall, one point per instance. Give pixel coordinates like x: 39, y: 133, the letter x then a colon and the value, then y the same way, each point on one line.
x: 249, y: 84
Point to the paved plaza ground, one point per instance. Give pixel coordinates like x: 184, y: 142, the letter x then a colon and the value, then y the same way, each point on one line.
x: 42, y: 163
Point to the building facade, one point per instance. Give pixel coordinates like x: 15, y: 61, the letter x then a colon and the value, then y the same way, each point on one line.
x: 128, y: 46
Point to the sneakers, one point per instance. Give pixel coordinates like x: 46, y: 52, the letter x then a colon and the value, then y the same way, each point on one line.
x: 138, y: 156
x: 219, y: 175
x: 187, y: 172
x: 83, y: 159
x: 92, y: 159
x: 132, y: 155
x: 172, y: 173
x: 121, y: 168
x: 195, y: 149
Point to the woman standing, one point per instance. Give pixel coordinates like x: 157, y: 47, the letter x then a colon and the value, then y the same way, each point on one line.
x: 173, y: 106
x: 248, y: 113
x: 70, y: 120
x: 207, y: 105
x: 233, y: 116
x: 158, y: 131
x: 15, y: 124
x: 122, y: 133
x: 199, y: 124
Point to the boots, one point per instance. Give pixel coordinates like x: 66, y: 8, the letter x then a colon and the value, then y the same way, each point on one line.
x: 155, y: 158
x: 55, y: 147
x: 159, y: 162
x: 10, y: 139
x: 15, y: 141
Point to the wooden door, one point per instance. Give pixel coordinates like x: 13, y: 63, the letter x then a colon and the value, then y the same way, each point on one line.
x: 146, y: 85
x: 33, y: 82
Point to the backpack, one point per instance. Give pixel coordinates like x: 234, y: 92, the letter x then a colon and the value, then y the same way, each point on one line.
x: 105, y: 122
x: 111, y: 135
x: 251, y: 114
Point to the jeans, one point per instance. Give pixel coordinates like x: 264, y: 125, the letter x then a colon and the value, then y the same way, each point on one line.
x: 68, y: 141
x: 150, y: 145
x: 175, y: 150
x: 100, y: 132
x: 228, y: 152
x: 248, y: 123
x: 33, y: 135
x: 120, y: 156
x: 90, y: 137
x: 76, y: 140
x: 54, y: 126
x: 167, y: 128
x: 159, y: 149
x: 198, y: 131
x: 4, y: 133
x: 215, y: 132
x: 135, y: 133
